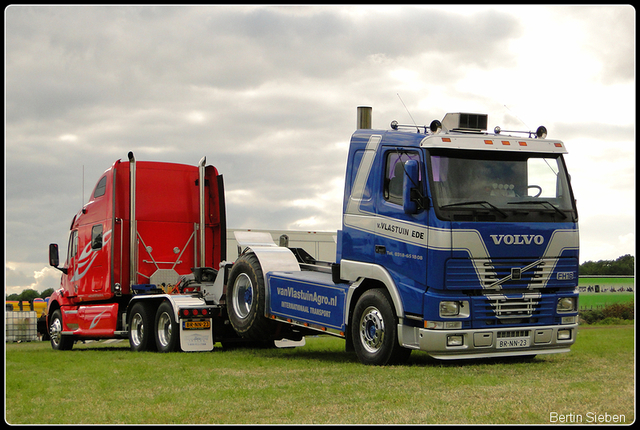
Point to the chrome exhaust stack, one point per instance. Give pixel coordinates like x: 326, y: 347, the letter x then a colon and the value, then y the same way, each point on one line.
x: 364, y: 117
x: 201, y: 180
x: 133, y: 230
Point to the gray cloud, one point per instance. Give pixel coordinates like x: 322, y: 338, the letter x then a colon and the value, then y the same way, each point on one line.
x: 616, y: 51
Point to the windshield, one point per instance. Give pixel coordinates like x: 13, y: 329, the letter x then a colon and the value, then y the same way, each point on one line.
x: 505, y: 183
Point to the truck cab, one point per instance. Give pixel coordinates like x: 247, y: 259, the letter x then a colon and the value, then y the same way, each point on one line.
x: 477, y: 231
x: 146, y: 226
x: 455, y: 241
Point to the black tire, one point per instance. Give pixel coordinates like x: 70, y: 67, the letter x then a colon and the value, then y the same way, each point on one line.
x: 59, y: 342
x: 374, y: 330
x: 246, y: 299
x: 167, y: 329
x: 141, y: 323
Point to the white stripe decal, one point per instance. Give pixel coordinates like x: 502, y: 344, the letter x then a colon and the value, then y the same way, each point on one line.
x: 560, y: 241
x: 357, y: 190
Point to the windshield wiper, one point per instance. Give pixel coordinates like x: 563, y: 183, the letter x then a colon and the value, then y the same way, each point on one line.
x: 478, y: 202
x: 539, y: 202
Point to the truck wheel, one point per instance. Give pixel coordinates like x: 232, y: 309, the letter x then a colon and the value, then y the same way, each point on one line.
x: 375, y: 331
x: 141, y: 336
x: 167, y: 330
x: 246, y: 299
x: 59, y: 341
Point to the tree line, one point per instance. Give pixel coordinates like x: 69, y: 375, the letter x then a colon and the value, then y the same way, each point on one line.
x: 29, y: 295
x: 622, y: 266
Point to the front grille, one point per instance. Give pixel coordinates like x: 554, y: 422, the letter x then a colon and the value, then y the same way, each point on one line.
x: 531, y: 308
x: 514, y: 307
x: 497, y: 274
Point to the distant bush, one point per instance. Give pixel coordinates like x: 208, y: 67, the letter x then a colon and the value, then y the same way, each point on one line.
x: 612, y: 321
x: 623, y: 311
x: 609, y: 313
x: 591, y: 316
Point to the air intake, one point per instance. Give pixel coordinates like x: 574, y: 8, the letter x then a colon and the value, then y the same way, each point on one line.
x: 465, y: 122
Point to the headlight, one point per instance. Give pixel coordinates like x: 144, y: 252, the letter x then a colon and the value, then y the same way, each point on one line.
x: 566, y: 304
x: 449, y: 309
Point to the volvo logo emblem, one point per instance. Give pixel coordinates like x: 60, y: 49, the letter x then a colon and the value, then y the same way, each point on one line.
x: 517, y: 239
x: 516, y: 273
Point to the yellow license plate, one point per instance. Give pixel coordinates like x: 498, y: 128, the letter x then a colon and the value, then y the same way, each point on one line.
x: 196, y: 325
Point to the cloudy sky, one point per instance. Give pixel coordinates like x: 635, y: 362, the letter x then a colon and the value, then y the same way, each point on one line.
x: 269, y: 96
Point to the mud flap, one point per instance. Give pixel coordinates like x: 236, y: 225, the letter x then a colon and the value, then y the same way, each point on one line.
x: 196, y: 339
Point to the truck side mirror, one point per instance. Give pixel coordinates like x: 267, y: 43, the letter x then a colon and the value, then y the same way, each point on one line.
x: 54, y: 257
x: 410, y: 181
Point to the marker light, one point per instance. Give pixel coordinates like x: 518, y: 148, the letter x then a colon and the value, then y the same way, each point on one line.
x: 541, y: 132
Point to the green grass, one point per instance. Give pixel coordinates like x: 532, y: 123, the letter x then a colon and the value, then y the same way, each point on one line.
x: 589, y: 300
x: 604, y: 298
x: 607, y: 282
x: 98, y: 383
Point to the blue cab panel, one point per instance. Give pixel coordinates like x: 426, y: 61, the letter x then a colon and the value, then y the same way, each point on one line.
x: 307, y: 296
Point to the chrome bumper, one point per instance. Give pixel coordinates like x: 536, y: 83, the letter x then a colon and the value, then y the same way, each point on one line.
x: 482, y: 343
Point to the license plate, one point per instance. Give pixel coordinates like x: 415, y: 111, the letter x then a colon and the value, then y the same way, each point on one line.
x: 196, y: 325
x: 517, y: 342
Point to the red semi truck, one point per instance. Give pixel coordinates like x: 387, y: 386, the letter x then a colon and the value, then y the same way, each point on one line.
x: 130, y: 257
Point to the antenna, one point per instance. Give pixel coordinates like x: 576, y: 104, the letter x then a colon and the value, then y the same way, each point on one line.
x: 514, y: 114
x: 405, y: 106
x: 82, y: 186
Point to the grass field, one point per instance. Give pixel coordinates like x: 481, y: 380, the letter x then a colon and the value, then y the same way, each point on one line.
x: 595, y: 300
x: 105, y: 383
x: 607, y: 283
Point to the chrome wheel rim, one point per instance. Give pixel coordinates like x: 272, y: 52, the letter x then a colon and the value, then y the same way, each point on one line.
x: 55, y: 330
x: 242, y: 295
x: 164, y: 329
x: 137, y: 329
x: 372, y: 329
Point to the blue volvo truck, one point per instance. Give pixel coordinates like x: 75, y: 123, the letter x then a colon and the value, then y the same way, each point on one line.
x: 455, y: 241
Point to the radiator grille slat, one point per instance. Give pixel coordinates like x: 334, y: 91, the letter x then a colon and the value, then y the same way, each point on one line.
x: 522, y: 306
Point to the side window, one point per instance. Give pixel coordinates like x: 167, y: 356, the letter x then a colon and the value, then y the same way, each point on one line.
x: 72, y: 250
x: 100, y: 188
x: 96, y: 237
x: 394, y: 174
